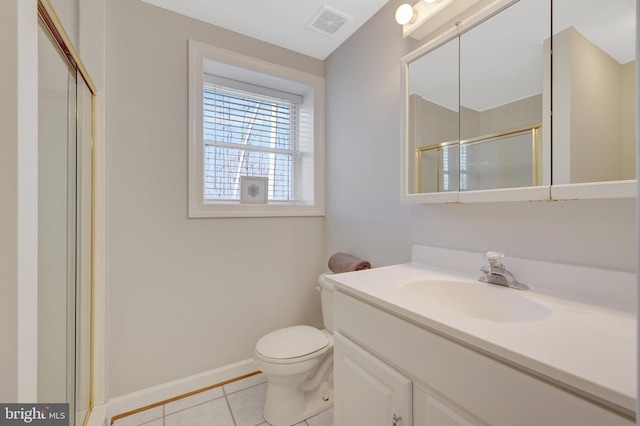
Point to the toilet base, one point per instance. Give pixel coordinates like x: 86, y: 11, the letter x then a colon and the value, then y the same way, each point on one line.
x: 283, y: 407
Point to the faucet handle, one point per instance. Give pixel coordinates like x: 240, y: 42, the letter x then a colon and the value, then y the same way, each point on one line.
x: 494, y: 258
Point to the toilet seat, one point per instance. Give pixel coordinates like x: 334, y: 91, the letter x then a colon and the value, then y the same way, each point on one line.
x: 292, y: 344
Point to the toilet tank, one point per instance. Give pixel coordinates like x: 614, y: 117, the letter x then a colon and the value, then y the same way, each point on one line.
x: 326, y: 299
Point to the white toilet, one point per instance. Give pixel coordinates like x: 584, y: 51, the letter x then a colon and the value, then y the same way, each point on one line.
x: 298, y: 364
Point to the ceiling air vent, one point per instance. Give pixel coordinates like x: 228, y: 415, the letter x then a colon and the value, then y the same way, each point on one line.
x: 327, y: 21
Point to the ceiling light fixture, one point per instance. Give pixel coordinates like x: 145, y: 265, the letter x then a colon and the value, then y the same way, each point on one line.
x: 426, y: 16
x: 405, y: 14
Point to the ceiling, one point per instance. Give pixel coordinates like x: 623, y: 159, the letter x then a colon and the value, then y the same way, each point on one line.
x: 281, y: 22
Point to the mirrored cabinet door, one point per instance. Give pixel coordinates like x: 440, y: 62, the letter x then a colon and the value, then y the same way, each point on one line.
x: 594, y: 91
x: 503, y: 88
x: 433, y: 115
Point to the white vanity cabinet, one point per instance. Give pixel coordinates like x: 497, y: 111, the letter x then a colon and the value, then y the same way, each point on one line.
x: 368, y: 391
x: 378, y: 354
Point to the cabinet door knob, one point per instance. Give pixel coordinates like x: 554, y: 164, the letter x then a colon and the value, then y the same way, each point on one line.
x: 395, y: 420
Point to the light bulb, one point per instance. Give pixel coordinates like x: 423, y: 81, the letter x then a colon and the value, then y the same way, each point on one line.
x: 405, y: 14
x: 429, y: 1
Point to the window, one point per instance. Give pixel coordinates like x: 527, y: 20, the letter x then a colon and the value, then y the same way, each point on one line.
x: 253, y: 118
x: 248, y: 133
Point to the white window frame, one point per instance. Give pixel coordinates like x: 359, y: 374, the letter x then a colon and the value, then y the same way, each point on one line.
x: 207, y: 59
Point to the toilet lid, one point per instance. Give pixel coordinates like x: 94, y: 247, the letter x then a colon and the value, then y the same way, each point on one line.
x: 292, y: 342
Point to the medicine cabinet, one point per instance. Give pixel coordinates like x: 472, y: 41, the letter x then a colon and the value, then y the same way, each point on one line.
x: 506, y: 103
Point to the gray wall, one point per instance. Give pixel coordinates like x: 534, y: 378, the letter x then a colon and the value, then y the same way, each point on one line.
x: 364, y: 213
x: 186, y: 295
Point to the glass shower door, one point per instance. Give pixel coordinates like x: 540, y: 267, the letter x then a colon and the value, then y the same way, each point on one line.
x: 65, y: 188
x: 56, y: 223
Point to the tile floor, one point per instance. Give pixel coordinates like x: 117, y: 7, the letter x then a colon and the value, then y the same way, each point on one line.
x: 235, y: 404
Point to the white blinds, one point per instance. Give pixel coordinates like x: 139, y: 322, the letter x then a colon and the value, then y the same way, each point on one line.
x: 249, y: 134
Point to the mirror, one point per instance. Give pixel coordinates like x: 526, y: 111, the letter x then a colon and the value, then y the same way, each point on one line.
x: 503, y: 81
x: 594, y: 86
x: 434, y: 119
x: 502, y: 69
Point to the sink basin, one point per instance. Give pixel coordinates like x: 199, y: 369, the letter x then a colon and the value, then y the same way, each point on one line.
x: 476, y: 300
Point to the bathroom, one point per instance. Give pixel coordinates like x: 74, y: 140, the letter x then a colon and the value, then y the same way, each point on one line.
x: 177, y: 296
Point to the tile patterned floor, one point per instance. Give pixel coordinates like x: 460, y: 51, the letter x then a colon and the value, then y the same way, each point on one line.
x: 238, y: 403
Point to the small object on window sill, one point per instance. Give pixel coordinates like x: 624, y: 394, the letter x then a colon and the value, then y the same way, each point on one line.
x: 253, y: 189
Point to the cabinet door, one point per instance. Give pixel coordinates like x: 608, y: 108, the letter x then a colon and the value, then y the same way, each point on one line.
x: 430, y: 410
x: 368, y: 391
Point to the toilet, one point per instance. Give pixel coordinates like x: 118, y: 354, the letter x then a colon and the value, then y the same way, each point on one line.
x: 298, y: 364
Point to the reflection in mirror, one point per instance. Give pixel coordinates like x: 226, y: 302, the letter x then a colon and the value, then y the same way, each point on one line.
x: 506, y: 159
x: 438, y: 167
x: 594, y: 109
x: 502, y: 98
x: 434, y: 120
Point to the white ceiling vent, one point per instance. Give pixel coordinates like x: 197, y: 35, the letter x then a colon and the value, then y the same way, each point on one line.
x: 327, y: 21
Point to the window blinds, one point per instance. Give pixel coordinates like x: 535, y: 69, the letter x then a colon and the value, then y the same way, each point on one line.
x: 249, y: 134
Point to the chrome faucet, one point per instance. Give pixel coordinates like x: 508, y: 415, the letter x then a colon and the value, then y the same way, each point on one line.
x: 496, y: 273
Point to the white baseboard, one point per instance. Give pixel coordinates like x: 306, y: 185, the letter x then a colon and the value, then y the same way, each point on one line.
x: 163, y: 392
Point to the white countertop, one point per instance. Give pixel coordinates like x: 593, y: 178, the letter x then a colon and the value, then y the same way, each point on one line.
x: 588, y: 348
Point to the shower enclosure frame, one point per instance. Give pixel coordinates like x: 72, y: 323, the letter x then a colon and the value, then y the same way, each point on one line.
x: 83, y: 199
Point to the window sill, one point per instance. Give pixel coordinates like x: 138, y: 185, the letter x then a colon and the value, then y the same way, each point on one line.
x: 236, y: 210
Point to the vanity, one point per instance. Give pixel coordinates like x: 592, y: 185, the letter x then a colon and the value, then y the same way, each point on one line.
x: 426, y: 343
